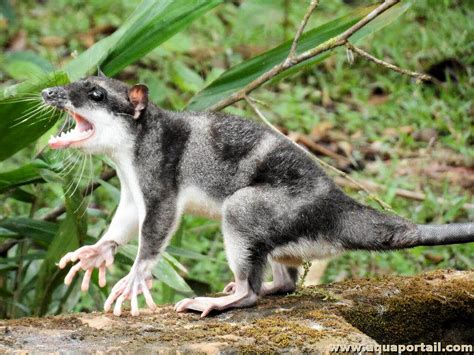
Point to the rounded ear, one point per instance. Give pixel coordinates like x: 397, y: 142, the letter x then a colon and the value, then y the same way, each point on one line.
x: 138, y: 96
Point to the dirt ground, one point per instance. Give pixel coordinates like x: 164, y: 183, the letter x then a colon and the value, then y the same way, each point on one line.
x: 435, y: 306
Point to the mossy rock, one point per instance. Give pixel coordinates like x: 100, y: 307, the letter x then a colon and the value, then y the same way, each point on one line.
x: 433, y: 306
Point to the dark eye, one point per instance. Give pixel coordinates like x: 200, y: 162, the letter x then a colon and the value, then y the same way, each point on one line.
x: 96, y: 95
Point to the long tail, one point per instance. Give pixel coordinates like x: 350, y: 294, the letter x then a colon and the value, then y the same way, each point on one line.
x: 445, y: 233
x: 362, y: 227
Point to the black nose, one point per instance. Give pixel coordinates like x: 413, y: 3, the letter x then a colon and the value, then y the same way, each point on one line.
x: 50, y: 93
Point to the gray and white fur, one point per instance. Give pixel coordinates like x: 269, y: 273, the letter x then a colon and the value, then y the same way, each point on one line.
x: 275, y: 204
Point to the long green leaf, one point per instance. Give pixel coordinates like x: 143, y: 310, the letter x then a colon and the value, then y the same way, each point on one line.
x: 22, y: 122
x: 242, y: 74
x: 163, y: 271
x: 71, y: 233
x: 27, y: 174
x: 187, y: 253
x: 40, y: 232
x: 152, y: 23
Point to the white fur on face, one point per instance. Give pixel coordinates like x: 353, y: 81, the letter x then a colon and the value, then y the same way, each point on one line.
x: 111, y: 136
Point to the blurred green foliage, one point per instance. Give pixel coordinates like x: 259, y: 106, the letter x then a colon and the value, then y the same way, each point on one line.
x: 361, y: 101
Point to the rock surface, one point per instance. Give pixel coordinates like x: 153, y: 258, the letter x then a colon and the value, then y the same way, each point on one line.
x: 436, y: 306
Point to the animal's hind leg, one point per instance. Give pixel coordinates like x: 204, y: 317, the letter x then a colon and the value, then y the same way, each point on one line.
x: 247, y: 273
x: 246, y: 256
x: 284, y: 280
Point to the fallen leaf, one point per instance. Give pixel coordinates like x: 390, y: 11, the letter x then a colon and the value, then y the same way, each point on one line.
x: 87, y: 39
x: 434, y: 258
x: 346, y: 147
x: 320, y: 130
x: 248, y: 51
x: 18, y: 42
x: 395, y: 131
x: 52, y: 41
x: 425, y: 134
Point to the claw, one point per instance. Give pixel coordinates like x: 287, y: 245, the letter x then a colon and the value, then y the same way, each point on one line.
x: 116, y: 291
x: 118, y: 305
x: 130, y: 287
x: 208, y: 310
x: 149, y: 300
x: 134, y: 301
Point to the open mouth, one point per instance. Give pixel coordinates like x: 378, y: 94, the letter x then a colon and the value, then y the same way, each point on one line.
x: 82, y: 131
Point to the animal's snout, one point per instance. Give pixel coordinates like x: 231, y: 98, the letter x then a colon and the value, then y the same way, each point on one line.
x: 54, y: 93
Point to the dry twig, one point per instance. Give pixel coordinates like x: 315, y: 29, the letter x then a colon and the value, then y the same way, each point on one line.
x: 309, y: 12
x: 324, y: 47
x: 408, y: 194
x: 364, y: 54
x: 293, y: 59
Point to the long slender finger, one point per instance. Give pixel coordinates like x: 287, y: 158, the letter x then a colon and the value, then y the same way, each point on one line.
x: 64, y: 260
x: 149, y: 300
x: 70, y: 275
x: 102, y: 280
x: 183, y: 304
x: 86, y: 280
x: 116, y: 290
x: 134, y: 301
x: 118, y: 305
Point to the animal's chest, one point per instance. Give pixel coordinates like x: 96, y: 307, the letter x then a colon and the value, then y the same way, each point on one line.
x: 194, y: 201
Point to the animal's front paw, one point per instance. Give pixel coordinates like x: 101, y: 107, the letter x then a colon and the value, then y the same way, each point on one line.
x: 129, y: 288
x: 99, y: 255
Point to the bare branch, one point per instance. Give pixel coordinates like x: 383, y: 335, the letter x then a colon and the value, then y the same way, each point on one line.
x: 260, y: 115
x: 309, y: 12
x: 417, y: 76
x: 323, y: 47
x: 411, y: 195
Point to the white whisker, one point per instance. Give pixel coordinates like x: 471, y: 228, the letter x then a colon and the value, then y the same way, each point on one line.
x: 80, y: 176
x: 29, y: 116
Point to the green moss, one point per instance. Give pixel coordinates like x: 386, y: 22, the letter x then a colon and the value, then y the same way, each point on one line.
x: 433, y: 306
x: 414, y: 310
